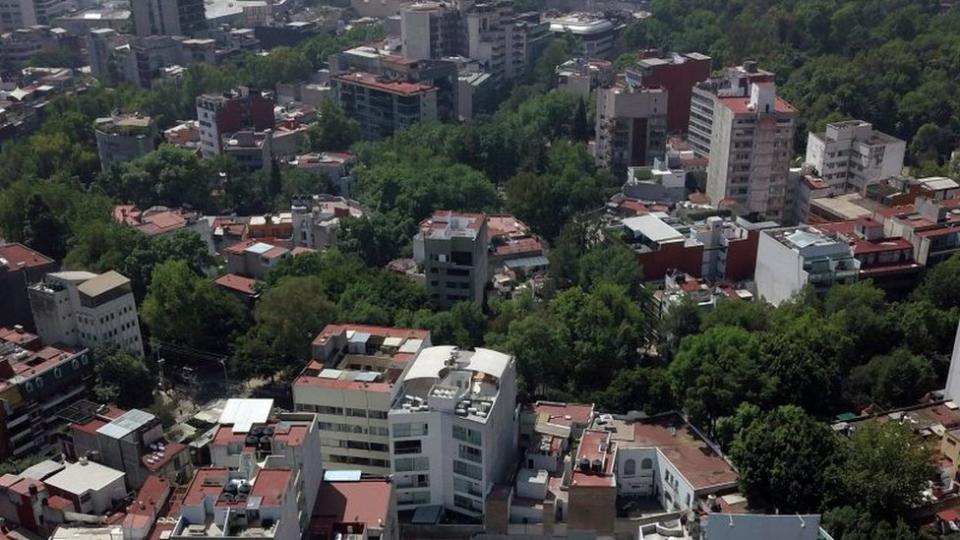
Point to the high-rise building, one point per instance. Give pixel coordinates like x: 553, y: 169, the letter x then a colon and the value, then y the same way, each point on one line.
x: 222, y: 114
x: 452, y: 247
x: 851, y: 155
x: 85, y: 309
x: 124, y: 137
x: 595, y: 33
x: 734, y: 82
x: 677, y: 74
x: 20, y: 266
x: 350, y: 385
x: 16, y: 14
x: 631, y: 126
x: 453, y: 432
x: 430, y: 30
x: 100, y: 43
x: 168, y: 17
x: 382, y: 105
x: 751, y: 146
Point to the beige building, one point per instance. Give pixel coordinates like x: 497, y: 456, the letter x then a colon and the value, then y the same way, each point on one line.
x: 350, y: 385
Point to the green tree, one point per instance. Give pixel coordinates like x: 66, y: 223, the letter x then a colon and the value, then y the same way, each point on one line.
x: 169, y: 176
x: 640, y: 389
x: 941, y: 285
x: 895, y: 380
x: 45, y: 231
x: 782, y: 458
x: 123, y: 379
x: 884, y: 469
x: 683, y: 319
x: 715, y: 371
x: 730, y: 427
x: 542, y: 356
x: 334, y: 130
x: 287, y: 318
x: 185, y: 309
x: 610, y: 262
x: 581, y: 131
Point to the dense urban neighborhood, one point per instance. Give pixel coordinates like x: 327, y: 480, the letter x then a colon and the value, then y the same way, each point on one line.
x: 460, y: 269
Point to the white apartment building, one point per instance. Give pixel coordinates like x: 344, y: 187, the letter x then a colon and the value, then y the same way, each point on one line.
x: 750, y: 149
x: 790, y: 258
x: 595, y: 33
x: 250, y: 439
x: 78, y: 308
x: 453, y: 428
x: 851, y: 155
x: 350, y: 385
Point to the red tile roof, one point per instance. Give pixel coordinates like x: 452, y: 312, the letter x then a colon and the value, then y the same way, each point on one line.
x: 366, y: 501
x: 370, y: 80
x: 16, y: 256
x: 692, y: 457
x: 238, y: 283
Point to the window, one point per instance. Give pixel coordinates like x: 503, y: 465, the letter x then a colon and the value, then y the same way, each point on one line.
x: 412, y: 464
x: 629, y: 467
x: 467, y: 503
x: 466, y: 486
x: 323, y: 409
x: 465, y: 469
x: 471, y: 453
x: 647, y: 463
x: 357, y: 412
x: 416, y: 497
x: 467, y: 435
x: 382, y: 415
x: 407, y: 447
x: 408, y: 429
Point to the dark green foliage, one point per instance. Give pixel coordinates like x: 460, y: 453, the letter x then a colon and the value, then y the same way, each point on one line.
x: 124, y: 380
x: 333, y: 131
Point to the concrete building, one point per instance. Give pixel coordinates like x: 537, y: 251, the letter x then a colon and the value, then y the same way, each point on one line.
x: 631, y: 127
x: 751, y: 147
x: 254, y: 258
x: 85, y: 309
x: 430, y: 30
x: 350, y: 504
x: 581, y: 76
x: 337, y: 166
x: 382, y: 106
x: 676, y: 73
x: 505, y: 43
x: 452, y: 247
x: 100, y: 43
x: 350, y: 385
x: 316, y: 219
x: 15, y: 14
x: 35, y: 383
x: 124, y: 138
x: 453, y: 428
x: 595, y: 33
x: 168, y: 17
x: 22, y: 44
x: 20, y: 267
x: 23, y: 500
x: 132, y: 442
x: 851, y: 155
x: 788, y: 259
x: 733, y: 82
x: 93, y: 488
x: 222, y: 114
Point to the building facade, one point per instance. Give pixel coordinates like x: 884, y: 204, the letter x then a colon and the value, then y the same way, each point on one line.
x: 631, y: 127
x: 88, y: 310
x: 168, y: 17
x: 452, y: 247
x: 220, y: 115
x: 851, y: 155
x: 677, y: 74
x: 430, y: 30
x: 789, y: 259
x: 384, y: 106
x: 350, y: 385
x: 124, y: 138
x: 20, y: 267
x: 750, y: 151
x: 453, y: 429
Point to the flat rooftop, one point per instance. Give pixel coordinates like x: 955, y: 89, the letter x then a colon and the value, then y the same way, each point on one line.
x: 448, y: 223
x: 374, y: 82
x: 679, y: 443
x: 365, y: 501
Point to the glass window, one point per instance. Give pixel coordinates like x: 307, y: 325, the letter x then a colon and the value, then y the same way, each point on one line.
x: 629, y: 467
x: 465, y: 469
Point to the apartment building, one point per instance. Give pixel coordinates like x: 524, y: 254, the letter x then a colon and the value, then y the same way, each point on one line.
x: 581, y: 76
x: 851, y: 155
x: 790, y: 258
x: 124, y: 137
x: 733, y: 82
x: 20, y: 266
x: 35, y: 382
x: 168, y: 17
x: 751, y: 147
x: 220, y: 115
x: 15, y: 14
x: 316, y: 219
x: 631, y: 126
x: 453, y: 429
x: 676, y: 73
x: 350, y: 385
x: 430, y: 30
x: 133, y: 442
x: 382, y: 105
x: 83, y: 309
x: 452, y: 247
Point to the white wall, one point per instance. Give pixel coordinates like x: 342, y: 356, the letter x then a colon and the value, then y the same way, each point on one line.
x: 779, y: 273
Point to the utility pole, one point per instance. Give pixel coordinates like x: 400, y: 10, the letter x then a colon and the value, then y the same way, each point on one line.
x: 226, y: 381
